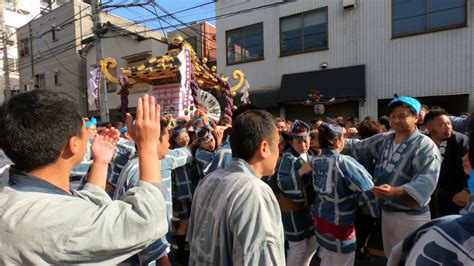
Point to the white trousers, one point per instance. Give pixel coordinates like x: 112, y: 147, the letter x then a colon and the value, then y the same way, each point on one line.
x: 329, y: 258
x: 300, y: 253
x: 397, y: 225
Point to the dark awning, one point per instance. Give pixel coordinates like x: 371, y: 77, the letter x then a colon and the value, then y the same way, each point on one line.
x: 344, y: 82
x: 264, y: 98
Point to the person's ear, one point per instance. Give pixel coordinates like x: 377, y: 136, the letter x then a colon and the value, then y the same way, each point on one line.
x: 263, y: 150
x: 73, y: 145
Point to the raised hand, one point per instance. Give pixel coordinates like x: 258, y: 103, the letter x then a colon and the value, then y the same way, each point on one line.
x: 146, y: 134
x: 306, y: 168
x: 103, y: 148
x: 219, y: 133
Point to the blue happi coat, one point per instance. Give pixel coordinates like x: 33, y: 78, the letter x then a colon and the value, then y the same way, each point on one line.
x: 124, y: 151
x: 414, y: 165
x: 203, y: 162
x: 298, y: 225
x: 222, y: 156
x: 448, y: 240
x: 129, y: 177
x: 341, y: 184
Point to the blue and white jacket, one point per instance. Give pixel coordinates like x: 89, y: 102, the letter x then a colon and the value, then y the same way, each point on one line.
x: 414, y: 166
x: 129, y: 177
x: 298, y: 225
x: 341, y: 184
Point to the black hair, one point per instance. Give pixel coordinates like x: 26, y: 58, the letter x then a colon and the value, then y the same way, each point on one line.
x: 327, y: 138
x: 431, y: 115
x: 36, y: 126
x: 203, y: 132
x: 248, y: 130
x: 164, y: 127
x: 471, y: 139
x: 244, y: 108
x: 402, y: 104
x: 286, y: 138
x: 383, y: 120
x: 368, y: 128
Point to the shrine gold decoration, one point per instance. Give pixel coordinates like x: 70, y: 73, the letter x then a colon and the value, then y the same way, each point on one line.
x: 165, y: 70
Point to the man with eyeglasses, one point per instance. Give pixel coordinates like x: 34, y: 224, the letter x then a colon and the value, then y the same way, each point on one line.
x: 406, y: 172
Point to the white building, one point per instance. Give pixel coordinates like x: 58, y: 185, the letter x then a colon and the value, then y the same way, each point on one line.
x: 16, y: 13
x: 359, y: 52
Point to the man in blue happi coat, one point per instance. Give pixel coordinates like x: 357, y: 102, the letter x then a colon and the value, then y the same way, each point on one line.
x: 444, y: 241
x: 406, y: 171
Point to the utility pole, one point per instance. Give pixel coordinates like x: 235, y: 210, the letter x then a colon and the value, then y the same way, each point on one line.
x: 96, y: 28
x: 6, y: 71
x: 32, y: 58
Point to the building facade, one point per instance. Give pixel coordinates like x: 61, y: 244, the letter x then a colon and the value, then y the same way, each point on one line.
x: 356, y: 54
x: 49, y: 49
x: 202, y: 37
x: 15, y: 13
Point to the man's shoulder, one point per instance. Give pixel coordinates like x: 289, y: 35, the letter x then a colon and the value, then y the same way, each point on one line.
x: 460, y: 138
x: 235, y: 180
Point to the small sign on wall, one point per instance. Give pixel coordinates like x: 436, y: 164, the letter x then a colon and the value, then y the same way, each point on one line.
x: 319, y: 109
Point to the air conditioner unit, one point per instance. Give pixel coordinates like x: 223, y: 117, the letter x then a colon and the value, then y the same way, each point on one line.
x: 348, y: 4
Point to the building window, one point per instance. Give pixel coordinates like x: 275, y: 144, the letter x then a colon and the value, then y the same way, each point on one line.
x: 40, y: 82
x: 54, y: 34
x: 245, y: 44
x: 24, y: 48
x: 12, y: 64
x: 410, y: 17
x: 56, y: 79
x: 304, y: 32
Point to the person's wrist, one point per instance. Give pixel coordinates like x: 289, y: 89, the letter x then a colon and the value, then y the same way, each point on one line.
x: 399, y: 191
x: 100, y: 162
x: 147, y: 149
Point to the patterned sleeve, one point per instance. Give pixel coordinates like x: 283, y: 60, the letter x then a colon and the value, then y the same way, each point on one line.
x: 460, y: 123
x: 203, y: 161
x: 426, y: 168
x: 403, y: 248
x: 360, y: 180
x: 177, y: 158
x: 289, y: 179
x: 364, y: 151
x: 221, y: 159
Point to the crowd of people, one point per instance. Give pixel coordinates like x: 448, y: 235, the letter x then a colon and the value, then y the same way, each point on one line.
x: 258, y: 190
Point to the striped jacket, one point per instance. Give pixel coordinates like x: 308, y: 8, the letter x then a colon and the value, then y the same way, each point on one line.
x: 448, y: 240
x: 124, y: 151
x: 414, y: 165
x: 297, y: 224
x: 129, y: 178
x: 341, y: 184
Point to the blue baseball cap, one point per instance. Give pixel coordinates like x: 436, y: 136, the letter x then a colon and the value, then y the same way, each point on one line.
x: 412, y: 102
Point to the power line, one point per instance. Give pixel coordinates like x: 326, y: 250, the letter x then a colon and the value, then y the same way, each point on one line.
x: 65, y: 68
x: 163, y: 17
x: 213, y: 17
x: 175, y: 18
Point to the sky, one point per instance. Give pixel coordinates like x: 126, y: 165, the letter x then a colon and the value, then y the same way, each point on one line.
x: 139, y: 14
